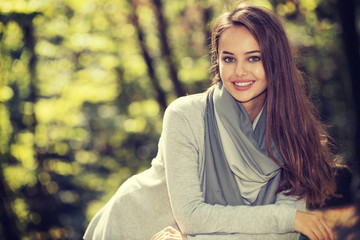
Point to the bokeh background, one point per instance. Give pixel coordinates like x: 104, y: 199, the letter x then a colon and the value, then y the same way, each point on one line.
x: 84, y: 84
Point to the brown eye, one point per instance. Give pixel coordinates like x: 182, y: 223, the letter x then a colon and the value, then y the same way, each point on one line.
x: 254, y: 59
x: 229, y: 59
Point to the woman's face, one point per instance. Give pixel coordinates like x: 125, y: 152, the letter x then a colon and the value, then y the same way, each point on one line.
x: 241, y: 67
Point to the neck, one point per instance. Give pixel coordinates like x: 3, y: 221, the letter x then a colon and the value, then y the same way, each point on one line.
x: 254, y: 106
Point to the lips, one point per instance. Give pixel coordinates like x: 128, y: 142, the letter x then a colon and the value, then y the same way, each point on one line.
x: 243, y: 85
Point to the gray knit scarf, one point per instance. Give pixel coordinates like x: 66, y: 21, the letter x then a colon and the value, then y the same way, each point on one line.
x: 237, y: 168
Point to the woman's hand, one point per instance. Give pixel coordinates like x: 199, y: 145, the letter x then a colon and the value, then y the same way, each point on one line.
x: 169, y: 233
x: 313, y: 226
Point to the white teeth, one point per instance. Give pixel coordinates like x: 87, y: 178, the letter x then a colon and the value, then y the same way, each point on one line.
x: 243, y: 84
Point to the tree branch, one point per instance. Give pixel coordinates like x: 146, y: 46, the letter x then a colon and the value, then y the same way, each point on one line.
x: 165, y: 48
x: 161, y: 96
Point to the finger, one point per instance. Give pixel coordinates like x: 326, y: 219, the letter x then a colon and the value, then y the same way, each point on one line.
x: 324, y: 229
x: 156, y: 236
x: 170, y: 236
x: 320, y: 228
x: 169, y: 233
x: 317, y: 234
x: 162, y: 234
x: 322, y: 233
x: 170, y: 229
x: 328, y: 230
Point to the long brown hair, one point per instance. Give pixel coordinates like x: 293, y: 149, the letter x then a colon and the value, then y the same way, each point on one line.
x: 292, y: 122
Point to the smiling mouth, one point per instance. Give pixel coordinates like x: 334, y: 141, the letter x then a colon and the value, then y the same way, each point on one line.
x: 244, y: 84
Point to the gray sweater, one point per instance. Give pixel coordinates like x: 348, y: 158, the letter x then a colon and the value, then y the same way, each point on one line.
x: 170, y: 193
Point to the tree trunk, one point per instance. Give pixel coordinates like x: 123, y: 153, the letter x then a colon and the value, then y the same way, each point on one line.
x: 165, y: 48
x: 346, y: 11
x: 161, y: 96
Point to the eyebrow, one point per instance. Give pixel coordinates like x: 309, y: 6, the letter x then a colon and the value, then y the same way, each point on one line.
x: 250, y: 52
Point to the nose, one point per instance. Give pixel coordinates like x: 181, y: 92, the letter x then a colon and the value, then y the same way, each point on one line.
x: 241, y: 70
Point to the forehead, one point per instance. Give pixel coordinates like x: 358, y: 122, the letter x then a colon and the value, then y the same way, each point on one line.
x: 237, y: 38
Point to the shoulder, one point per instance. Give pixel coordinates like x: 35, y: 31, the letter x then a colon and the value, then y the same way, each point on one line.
x: 186, y: 114
x: 188, y: 105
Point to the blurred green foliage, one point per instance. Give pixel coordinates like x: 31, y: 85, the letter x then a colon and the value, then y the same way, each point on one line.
x: 78, y: 110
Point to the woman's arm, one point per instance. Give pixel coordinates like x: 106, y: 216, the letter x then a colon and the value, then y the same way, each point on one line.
x: 194, y: 216
x: 241, y: 236
x: 311, y: 225
x: 171, y: 233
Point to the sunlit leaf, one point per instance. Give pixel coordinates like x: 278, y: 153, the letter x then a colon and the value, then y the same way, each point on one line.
x: 18, y: 176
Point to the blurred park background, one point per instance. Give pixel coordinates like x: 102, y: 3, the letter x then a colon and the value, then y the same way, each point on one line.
x: 84, y: 83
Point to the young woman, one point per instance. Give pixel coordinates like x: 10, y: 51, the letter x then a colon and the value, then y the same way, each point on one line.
x: 239, y: 161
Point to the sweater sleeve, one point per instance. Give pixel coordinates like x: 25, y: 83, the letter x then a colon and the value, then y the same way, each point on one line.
x: 180, y: 151
x: 299, y: 204
x: 243, y: 236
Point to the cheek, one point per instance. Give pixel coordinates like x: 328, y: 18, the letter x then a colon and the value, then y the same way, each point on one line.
x: 260, y: 73
x: 225, y: 71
